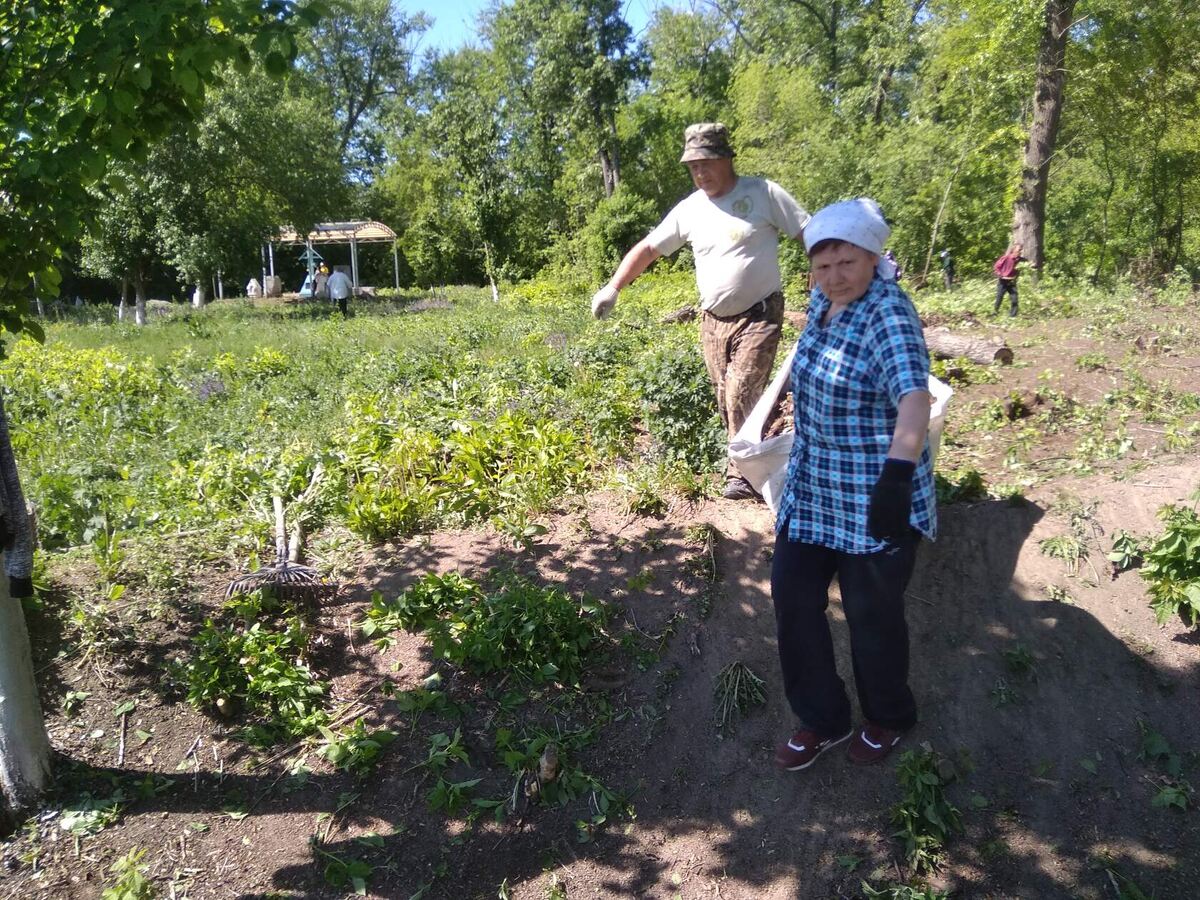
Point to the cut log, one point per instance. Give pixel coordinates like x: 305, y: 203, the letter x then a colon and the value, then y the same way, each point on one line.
x: 944, y: 345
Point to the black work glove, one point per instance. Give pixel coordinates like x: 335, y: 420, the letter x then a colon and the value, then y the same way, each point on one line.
x: 891, y: 500
x: 20, y: 588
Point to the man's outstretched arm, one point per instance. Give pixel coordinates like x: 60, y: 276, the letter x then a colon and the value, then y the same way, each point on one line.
x: 634, y: 263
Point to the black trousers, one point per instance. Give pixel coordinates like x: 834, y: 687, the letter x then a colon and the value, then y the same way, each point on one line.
x: 1007, y: 286
x: 872, y: 587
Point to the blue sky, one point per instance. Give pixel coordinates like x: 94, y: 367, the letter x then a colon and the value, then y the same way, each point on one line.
x: 454, y: 20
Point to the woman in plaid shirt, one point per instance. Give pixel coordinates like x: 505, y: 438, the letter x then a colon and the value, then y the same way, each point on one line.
x: 859, y: 491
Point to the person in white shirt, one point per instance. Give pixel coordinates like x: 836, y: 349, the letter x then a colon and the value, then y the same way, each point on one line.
x: 340, y: 289
x: 733, y: 224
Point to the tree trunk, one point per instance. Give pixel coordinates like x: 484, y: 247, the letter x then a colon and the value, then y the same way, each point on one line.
x: 123, y: 305
x: 941, y: 213
x: 1029, y: 210
x: 199, y: 298
x: 1108, y: 192
x: 24, y: 747
x: 491, y: 277
x: 944, y: 345
x: 139, y: 298
x: 608, y: 170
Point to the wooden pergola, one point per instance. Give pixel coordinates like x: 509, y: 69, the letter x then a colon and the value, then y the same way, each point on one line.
x: 352, y: 233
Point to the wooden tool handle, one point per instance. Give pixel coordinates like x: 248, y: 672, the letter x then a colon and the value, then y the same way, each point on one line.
x: 280, y: 531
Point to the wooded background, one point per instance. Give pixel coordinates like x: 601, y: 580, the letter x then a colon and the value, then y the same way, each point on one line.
x: 171, y: 147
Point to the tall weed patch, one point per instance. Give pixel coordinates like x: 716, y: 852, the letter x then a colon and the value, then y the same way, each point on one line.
x: 678, y: 405
x: 401, y: 419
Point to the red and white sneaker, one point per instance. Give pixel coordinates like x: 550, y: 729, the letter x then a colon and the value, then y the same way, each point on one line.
x: 872, y: 744
x: 803, y: 749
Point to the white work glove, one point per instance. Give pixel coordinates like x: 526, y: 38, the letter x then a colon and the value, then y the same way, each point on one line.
x: 603, y: 301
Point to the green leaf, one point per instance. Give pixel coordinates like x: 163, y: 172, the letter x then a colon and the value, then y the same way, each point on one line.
x: 124, y: 101
x: 124, y: 708
x: 276, y: 63
x: 849, y: 862
x: 186, y: 78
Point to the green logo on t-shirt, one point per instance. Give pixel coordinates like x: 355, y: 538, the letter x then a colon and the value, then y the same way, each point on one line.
x: 742, y: 207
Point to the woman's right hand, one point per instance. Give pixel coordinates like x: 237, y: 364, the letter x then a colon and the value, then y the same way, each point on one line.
x: 891, y: 500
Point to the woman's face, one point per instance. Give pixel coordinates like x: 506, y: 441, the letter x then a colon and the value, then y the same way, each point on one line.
x: 844, y: 272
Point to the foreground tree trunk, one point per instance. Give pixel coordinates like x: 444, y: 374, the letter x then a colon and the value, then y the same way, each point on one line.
x: 1029, y: 210
x: 24, y: 747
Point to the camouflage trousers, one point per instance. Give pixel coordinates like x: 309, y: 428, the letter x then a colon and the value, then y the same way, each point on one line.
x: 739, y: 352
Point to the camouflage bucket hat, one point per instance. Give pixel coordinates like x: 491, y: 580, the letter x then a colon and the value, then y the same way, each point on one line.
x: 706, y: 140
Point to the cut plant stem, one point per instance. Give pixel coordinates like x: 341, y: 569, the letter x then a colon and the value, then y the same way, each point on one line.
x: 736, y: 689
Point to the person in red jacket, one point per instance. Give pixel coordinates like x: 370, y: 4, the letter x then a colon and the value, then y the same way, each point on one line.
x: 1006, y: 277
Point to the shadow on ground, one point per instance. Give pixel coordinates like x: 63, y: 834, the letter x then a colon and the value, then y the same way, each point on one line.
x: 1063, y: 803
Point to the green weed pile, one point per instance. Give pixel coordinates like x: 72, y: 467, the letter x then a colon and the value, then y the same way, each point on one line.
x: 1172, y: 566
x: 255, y: 667
x: 536, y: 632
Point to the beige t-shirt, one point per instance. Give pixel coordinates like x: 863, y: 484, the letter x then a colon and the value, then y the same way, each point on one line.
x: 735, y: 239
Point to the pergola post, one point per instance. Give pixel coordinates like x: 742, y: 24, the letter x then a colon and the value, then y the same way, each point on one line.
x: 271, y: 257
x: 354, y: 262
x: 396, y: 264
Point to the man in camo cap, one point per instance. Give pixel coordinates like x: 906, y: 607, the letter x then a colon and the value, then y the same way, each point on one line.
x: 733, y: 224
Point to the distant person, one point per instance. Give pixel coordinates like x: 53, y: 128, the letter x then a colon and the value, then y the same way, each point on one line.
x: 896, y: 274
x: 1006, y: 278
x: 321, y: 284
x: 947, y: 269
x: 858, y: 495
x: 340, y: 289
x: 733, y: 224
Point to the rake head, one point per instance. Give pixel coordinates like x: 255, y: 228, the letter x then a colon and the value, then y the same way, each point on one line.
x: 286, y: 580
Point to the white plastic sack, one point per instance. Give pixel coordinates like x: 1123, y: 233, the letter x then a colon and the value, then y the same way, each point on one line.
x: 764, y: 463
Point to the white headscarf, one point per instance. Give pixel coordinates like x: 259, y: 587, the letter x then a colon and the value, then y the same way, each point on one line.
x: 859, y: 222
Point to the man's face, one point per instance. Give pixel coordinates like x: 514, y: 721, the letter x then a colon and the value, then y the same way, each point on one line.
x: 844, y: 272
x: 713, y: 176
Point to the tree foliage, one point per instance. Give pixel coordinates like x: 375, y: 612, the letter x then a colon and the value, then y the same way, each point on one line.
x: 553, y: 138
x: 85, y: 84
x: 362, y: 58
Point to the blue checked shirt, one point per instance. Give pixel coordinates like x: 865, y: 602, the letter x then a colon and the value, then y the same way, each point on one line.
x: 847, y: 381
